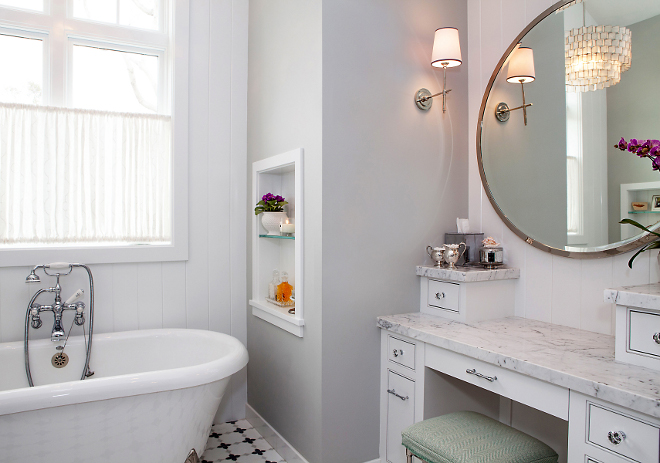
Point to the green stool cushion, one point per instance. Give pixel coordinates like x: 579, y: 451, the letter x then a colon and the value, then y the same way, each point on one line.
x: 469, y: 437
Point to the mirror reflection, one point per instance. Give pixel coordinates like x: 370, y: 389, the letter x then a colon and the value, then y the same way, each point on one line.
x: 548, y: 151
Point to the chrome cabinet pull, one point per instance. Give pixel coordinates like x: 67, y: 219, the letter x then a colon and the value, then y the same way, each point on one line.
x: 616, y: 437
x: 396, y: 353
x: 393, y: 392
x: 656, y: 338
x: 475, y: 373
x: 439, y: 296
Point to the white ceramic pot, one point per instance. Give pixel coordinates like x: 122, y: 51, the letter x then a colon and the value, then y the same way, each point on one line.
x: 272, y: 220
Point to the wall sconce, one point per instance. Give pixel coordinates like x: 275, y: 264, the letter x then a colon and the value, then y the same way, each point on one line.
x: 446, y: 54
x: 521, y: 70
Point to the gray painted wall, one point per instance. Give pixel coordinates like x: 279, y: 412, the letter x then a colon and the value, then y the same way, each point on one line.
x: 526, y: 165
x: 284, y: 113
x: 638, y: 94
x: 394, y: 181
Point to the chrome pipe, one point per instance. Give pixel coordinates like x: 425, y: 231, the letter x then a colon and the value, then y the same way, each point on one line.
x: 26, y: 347
x: 87, y: 372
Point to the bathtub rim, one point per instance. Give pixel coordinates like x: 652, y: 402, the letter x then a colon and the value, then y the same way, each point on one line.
x: 114, y: 387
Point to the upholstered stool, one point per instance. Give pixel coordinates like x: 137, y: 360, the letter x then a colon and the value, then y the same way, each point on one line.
x: 469, y: 437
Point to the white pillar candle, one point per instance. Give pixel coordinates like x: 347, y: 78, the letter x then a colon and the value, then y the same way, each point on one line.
x: 287, y: 228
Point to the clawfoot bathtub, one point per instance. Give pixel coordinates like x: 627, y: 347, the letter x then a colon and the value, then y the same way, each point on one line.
x: 152, y: 397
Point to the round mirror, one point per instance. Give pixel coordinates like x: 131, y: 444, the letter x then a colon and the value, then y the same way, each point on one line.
x: 579, y: 78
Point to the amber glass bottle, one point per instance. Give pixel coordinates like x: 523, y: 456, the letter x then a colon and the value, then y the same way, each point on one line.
x: 284, y: 288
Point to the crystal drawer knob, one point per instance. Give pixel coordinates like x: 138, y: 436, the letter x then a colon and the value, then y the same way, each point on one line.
x: 441, y: 296
x: 616, y: 437
x: 396, y: 352
x: 656, y: 338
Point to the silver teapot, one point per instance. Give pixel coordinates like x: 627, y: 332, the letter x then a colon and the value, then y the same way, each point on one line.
x: 437, y: 254
x: 453, y: 253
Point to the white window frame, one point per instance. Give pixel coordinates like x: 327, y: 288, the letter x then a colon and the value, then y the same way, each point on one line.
x: 32, y: 24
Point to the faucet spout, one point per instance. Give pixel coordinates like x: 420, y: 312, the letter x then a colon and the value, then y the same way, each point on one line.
x: 57, y: 335
x: 58, y: 331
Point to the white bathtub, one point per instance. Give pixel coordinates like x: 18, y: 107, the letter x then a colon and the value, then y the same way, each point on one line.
x: 152, y: 398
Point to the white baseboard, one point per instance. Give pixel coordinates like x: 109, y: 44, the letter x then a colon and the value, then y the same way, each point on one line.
x: 274, y: 438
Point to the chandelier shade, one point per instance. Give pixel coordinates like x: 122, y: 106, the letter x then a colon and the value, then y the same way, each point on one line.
x: 596, y: 56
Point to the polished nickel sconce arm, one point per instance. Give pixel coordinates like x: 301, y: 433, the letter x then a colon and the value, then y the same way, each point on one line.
x: 424, y: 99
x: 502, y: 112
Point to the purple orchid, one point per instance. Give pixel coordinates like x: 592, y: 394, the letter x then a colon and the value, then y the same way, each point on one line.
x: 656, y: 163
x: 642, y: 148
x: 270, y: 203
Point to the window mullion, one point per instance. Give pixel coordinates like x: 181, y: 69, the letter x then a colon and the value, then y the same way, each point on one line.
x: 58, y: 53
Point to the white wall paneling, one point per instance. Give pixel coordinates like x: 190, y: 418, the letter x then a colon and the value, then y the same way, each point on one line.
x: 208, y: 291
x: 556, y: 289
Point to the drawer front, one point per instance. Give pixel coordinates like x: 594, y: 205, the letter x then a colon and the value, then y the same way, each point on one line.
x: 401, y: 352
x: 443, y: 295
x: 622, y: 434
x: 644, y: 332
x: 400, y: 414
x: 538, y: 394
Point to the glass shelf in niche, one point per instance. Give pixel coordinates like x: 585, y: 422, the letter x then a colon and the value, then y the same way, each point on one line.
x: 643, y: 212
x: 278, y: 237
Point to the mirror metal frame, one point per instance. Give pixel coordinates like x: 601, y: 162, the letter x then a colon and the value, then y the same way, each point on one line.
x: 608, y: 250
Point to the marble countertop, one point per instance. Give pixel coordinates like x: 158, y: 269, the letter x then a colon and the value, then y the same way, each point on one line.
x: 579, y: 360
x: 468, y: 274
x: 643, y: 296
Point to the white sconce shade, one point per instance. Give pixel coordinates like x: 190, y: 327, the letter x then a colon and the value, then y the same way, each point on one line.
x: 521, y: 66
x: 446, y: 48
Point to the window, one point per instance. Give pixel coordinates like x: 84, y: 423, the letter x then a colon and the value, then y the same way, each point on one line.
x: 574, y: 161
x: 86, y: 136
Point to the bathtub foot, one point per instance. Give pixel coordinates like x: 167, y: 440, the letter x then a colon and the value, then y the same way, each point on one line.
x: 192, y: 457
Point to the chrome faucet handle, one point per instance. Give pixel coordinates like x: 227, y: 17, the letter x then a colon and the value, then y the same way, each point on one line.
x: 36, y: 318
x: 80, y: 314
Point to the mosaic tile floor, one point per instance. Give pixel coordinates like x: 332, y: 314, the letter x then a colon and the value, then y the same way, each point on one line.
x: 238, y: 441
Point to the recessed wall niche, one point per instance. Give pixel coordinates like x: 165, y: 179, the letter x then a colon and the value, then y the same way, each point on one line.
x: 279, y: 175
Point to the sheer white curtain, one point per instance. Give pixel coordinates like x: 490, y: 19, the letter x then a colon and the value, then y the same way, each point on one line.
x: 79, y: 176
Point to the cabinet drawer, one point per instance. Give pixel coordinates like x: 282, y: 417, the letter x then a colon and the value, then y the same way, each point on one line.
x: 644, y: 329
x: 636, y: 439
x: 443, y: 295
x: 400, y: 414
x: 401, y: 352
x: 530, y: 391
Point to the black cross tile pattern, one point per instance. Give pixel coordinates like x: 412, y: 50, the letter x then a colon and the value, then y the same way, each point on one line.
x: 238, y: 441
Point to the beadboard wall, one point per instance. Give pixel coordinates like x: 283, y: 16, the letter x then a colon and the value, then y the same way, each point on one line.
x: 209, y: 290
x: 552, y: 289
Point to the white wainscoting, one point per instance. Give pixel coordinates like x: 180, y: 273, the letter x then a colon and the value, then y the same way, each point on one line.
x: 553, y: 289
x: 209, y: 290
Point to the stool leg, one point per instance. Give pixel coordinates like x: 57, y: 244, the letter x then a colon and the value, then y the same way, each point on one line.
x: 409, y: 456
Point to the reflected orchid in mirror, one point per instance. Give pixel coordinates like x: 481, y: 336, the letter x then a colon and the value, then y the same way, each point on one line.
x: 642, y: 148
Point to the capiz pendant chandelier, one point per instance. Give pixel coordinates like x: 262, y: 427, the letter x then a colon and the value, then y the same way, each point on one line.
x: 596, y: 56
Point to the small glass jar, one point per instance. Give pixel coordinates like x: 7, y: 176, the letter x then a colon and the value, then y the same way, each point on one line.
x: 272, y: 286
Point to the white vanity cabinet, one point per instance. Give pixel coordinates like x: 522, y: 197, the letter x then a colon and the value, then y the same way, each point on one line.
x: 637, y: 324
x: 468, y: 294
x: 401, y: 385
x: 606, y: 433
x: 431, y: 365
